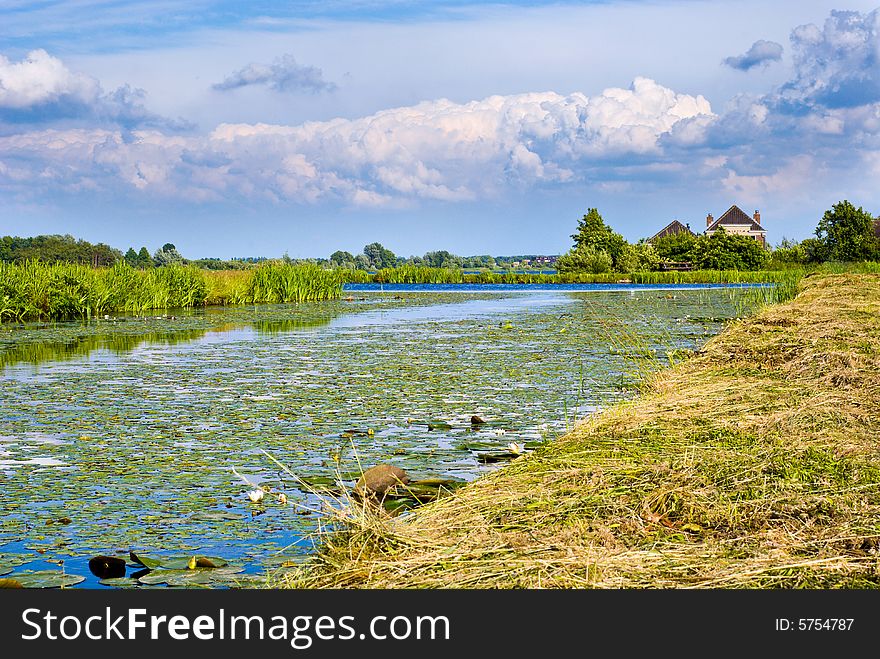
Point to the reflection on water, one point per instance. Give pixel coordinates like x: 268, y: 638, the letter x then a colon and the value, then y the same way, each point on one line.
x: 119, y: 336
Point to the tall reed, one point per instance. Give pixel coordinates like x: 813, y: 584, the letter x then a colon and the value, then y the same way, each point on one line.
x: 36, y: 290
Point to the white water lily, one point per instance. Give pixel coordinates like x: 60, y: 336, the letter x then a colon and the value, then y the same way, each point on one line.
x: 498, y: 431
x: 255, y: 495
x: 516, y: 449
x: 282, y: 498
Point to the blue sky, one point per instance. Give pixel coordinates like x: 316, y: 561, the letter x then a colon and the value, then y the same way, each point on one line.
x: 258, y: 128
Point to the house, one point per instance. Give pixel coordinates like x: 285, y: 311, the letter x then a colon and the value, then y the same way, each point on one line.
x: 735, y: 221
x: 672, y: 229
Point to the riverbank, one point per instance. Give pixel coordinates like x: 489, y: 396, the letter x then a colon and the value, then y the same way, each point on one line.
x: 753, y: 464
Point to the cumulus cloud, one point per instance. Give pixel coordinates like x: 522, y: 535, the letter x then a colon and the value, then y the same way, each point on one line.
x: 437, y: 150
x: 760, y: 54
x: 283, y: 75
x: 837, y: 65
x: 40, y: 88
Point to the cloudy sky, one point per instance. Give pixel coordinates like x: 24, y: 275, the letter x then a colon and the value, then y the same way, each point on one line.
x: 255, y: 128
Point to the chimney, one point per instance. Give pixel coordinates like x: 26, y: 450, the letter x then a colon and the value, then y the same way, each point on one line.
x: 757, y: 217
x: 709, y: 220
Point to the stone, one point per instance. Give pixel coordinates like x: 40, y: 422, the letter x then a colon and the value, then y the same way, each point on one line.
x: 376, y: 481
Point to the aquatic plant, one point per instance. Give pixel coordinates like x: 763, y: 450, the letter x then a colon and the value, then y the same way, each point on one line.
x: 36, y: 290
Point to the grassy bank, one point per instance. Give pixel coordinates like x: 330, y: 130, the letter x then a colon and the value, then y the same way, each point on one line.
x: 45, y: 291
x: 753, y: 464
x: 421, y: 275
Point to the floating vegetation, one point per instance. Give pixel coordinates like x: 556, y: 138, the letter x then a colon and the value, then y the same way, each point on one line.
x: 139, y: 445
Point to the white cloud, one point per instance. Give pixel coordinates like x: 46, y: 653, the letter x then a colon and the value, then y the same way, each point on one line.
x: 437, y: 150
x: 41, y: 89
x: 40, y: 79
x: 837, y: 65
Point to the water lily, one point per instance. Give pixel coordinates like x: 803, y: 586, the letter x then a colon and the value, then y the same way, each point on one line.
x: 282, y: 498
x: 516, y: 449
x: 498, y: 431
x: 255, y: 495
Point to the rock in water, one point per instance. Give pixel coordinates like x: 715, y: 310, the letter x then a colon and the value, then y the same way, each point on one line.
x: 477, y: 421
x: 376, y: 481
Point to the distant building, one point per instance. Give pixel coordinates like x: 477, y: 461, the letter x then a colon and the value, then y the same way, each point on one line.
x: 735, y: 221
x: 672, y: 229
x: 545, y: 260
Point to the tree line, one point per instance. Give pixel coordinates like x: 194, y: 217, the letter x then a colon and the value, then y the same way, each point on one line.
x: 844, y: 233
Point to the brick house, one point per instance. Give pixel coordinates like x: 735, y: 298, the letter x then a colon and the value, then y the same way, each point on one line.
x: 672, y: 229
x: 736, y: 221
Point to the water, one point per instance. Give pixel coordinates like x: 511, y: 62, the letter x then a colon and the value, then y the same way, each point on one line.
x: 123, y: 434
x: 570, y: 288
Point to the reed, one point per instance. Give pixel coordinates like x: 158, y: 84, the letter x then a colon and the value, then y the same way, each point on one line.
x: 36, y: 290
x: 409, y: 274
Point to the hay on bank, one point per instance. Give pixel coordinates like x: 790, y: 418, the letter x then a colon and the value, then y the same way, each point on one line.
x: 753, y: 464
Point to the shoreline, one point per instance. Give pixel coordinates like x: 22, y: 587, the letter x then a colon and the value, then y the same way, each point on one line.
x: 751, y: 465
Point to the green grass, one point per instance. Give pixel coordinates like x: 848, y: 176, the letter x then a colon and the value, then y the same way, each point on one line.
x: 421, y: 275
x: 56, y: 291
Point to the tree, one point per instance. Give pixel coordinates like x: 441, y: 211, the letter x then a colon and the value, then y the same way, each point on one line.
x: 847, y: 233
x: 584, y: 259
x: 379, y: 257
x: 341, y: 258
x: 641, y: 257
x: 726, y: 251
x: 677, y: 247
x: 144, y: 258
x: 594, y: 233
x: 167, y: 255
x: 361, y: 262
x: 131, y: 257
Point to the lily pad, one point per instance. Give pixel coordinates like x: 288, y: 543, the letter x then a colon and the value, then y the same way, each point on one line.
x: 192, y: 578
x: 8, y: 562
x: 178, y: 562
x: 214, y: 516
x: 496, y: 456
x: 45, y: 579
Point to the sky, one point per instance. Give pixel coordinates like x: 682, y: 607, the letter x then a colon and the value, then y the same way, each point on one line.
x: 236, y: 129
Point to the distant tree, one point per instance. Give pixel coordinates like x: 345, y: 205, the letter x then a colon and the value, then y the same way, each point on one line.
x: 131, y: 257
x: 379, y: 257
x: 814, y: 250
x: 144, y: 260
x: 677, y: 247
x: 167, y: 255
x: 585, y: 259
x: 361, y: 262
x: 847, y: 233
x: 787, y: 253
x: 641, y: 257
x: 593, y: 232
x: 56, y: 248
x: 727, y: 251
x: 341, y: 258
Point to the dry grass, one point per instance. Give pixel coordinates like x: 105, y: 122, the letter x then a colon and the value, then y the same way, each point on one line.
x: 754, y: 464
